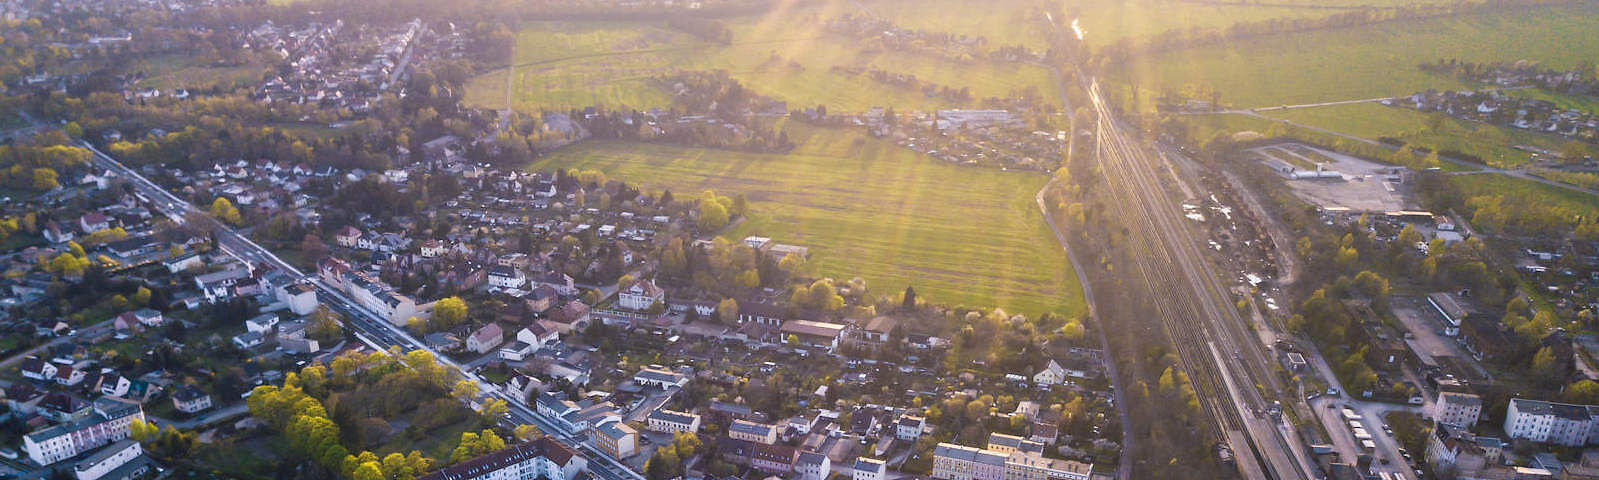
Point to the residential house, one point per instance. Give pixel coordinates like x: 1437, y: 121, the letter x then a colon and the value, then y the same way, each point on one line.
x: 812, y: 466
x: 658, y: 377
x: 189, y: 399
x: 35, y: 368
x: 670, y: 421
x: 909, y: 427
x: 485, y: 339
x: 183, y: 262
x: 640, y: 295
x: 262, y: 323
x: 869, y: 469
x: 573, y: 315
x: 753, y: 432
x: 812, y: 333
x: 773, y: 459
x: 348, y: 237
x: 122, y: 460
x: 504, y: 277
x: 248, y: 340
x: 93, y: 222
x: 1052, y: 374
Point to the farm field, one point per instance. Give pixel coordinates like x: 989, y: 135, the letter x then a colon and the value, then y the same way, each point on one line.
x: 783, y: 55
x: 1372, y: 120
x: 867, y: 208
x: 1367, y: 62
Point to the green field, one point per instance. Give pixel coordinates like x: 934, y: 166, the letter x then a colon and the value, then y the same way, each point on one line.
x: 1012, y: 22
x: 867, y: 208
x: 783, y: 54
x: 1370, y: 61
x: 1526, y: 192
x: 1371, y: 120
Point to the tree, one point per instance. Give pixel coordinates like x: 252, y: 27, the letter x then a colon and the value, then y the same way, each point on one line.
x: 712, y: 215
x: 448, y: 312
x: 527, y: 432
x: 326, y: 326
x: 464, y: 390
x: 1582, y: 392
x: 45, y: 179
x: 492, y: 410
x: 908, y: 300
x: 223, y: 210
x: 1073, y: 331
x: 727, y: 311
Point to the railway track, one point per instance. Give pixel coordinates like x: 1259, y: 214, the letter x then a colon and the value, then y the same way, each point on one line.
x: 1195, y: 309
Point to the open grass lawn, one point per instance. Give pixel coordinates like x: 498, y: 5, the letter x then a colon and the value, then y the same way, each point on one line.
x: 168, y: 72
x: 1370, y: 61
x: 867, y: 208
x: 1372, y: 120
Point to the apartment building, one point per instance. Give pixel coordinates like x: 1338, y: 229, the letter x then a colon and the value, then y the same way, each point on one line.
x: 1460, y: 409
x: 540, y: 458
x: 1548, y: 422
x: 670, y: 421
x: 108, y: 423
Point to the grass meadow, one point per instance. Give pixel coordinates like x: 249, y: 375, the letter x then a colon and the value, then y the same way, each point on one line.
x: 1372, y: 120
x: 1369, y: 61
x: 867, y: 208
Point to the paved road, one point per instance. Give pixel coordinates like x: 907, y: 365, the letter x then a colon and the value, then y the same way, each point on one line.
x: 368, y: 326
x: 87, y: 331
x: 225, y: 413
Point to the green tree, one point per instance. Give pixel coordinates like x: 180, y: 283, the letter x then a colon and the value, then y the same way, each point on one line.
x: 448, y: 312
x: 223, y: 210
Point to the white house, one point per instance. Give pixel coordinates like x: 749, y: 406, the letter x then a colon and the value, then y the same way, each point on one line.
x: 909, y: 427
x: 108, y: 460
x: 190, y: 400
x: 812, y: 466
x: 1052, y: 374
x: 506, y: 277
x: 261, y: 323
x: 671, y: 421
x: 869, y: 469
x: 640, y: 295
x: 300, y: 296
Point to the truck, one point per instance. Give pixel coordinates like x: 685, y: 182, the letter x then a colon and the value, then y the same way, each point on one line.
x: 1362, y: 434
x: 1349, y: 414
x: 1368, y: 445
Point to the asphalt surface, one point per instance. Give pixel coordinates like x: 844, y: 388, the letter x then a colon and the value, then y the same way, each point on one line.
x: 368, y: 326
